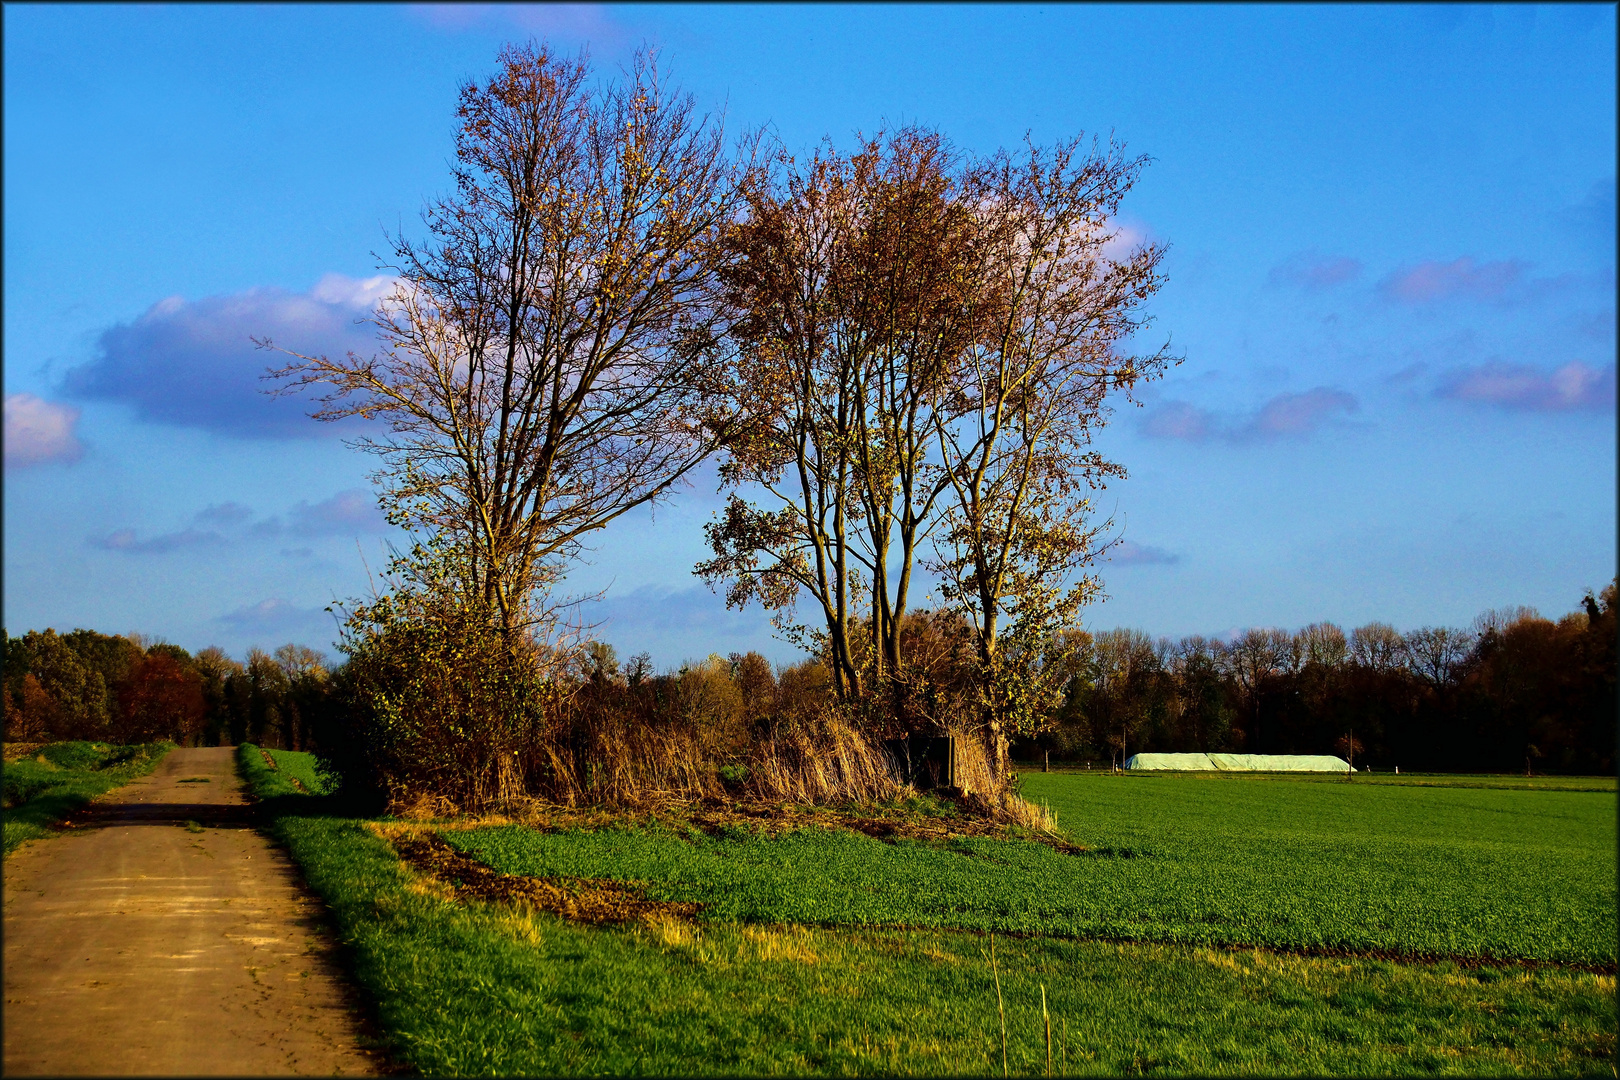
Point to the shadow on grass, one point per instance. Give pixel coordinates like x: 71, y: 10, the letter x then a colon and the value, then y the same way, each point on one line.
x: 344, y: 878
x: 44, y: 811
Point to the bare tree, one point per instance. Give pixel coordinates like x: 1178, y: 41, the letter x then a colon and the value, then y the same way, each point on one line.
x: 1253, y: 658
x: 1496, y: 620
x: 1378, y: 646
x: 1322, y: 644
x: 1125, y: 662
x: 1055, y: 309
x: 300, y: 661
x: 1434, y: 653
x: 538, y: 377
x: 1348, y: 745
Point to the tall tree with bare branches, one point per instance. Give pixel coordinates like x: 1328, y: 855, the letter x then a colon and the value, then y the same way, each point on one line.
x: 1057, y: 308
x: 534, y: 380
x: 850, y: 283
x: 924, y: 344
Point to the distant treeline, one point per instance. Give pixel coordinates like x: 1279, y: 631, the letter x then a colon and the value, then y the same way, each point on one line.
x: 127, y: 689
x: 1514, y: 692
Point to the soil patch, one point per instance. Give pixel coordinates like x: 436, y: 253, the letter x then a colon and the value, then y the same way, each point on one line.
x: 590, y: 900
x: 714, y: 816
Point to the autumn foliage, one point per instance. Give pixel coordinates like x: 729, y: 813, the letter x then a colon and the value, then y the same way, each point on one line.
x: 1516, y: 692
x: 158, y: 699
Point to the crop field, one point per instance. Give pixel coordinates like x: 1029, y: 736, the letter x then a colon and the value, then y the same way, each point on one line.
x: 57, y: 778
x: 796, y: 965
x: 1405, y: 871
x: 1495, y: 866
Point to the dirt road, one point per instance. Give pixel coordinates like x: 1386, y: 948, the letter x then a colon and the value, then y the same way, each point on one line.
x: 137, y: 944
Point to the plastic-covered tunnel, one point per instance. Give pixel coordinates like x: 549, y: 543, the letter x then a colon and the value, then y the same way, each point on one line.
x: 1238, y: 763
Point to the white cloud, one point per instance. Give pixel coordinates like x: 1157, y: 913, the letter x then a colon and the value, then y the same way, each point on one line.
x: 352, y: 511
x: 1299, y: 414
x: 193, y: 362
x: 1462, y: 278
x: 1573, y: 387
x: 1314, y: 271
x: 1180, y: 420
x: 125, y: 540
x: 568, y: 20
x: 226, y: 513
x: 348, y: 513
x: 1283, y: 416
x: 362, y: 294
x: 279, y: 617
x: 39, y: 431
x: 1130, y: 553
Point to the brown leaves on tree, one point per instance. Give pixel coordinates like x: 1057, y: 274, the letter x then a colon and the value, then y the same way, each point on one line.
x: 922, y: 347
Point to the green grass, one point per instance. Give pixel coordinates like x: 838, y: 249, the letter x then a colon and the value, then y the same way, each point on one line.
x: 481, y: 989
x: 62, y: 777
x: 267, y: 783
x: 301, y: 767
x: 1426, y: 865
x: 1417, y: 872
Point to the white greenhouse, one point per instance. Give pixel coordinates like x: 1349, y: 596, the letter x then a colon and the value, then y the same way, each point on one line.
x: 1238, y: 763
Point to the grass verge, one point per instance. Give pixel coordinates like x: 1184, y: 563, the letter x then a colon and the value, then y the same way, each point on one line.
x: 473, y: 988
x: 286, y: 772
x: 55, y: 779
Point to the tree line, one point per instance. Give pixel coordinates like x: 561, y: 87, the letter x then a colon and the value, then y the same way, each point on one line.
x: 1514, y: 692
x: 129, y: 689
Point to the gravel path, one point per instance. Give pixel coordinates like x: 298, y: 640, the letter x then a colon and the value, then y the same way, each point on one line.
x: 137, y: 944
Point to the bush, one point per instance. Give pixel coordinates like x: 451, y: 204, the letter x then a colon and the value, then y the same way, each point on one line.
x: 436, y: 705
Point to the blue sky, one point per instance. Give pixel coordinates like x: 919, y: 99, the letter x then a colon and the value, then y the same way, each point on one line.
x: 1391, y: 274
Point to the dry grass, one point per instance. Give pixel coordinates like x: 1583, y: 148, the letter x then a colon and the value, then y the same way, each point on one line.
x: 740, y: 945
x: 973, y: 772
x: 820, y: 761
x: 671, y: 931
x: 794, y: 944
x: 16, y: 751
x: 626, y: 763
x: 1018, y: 810
x: 985, y: 794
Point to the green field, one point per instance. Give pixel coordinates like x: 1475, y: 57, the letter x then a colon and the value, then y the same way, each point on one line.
x: 59, y: 778
x: 1477, y: 866
x: 473, y: 988
x: 1407, y: 871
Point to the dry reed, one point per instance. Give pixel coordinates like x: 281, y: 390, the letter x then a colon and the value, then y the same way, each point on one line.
x: 818, y: 761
